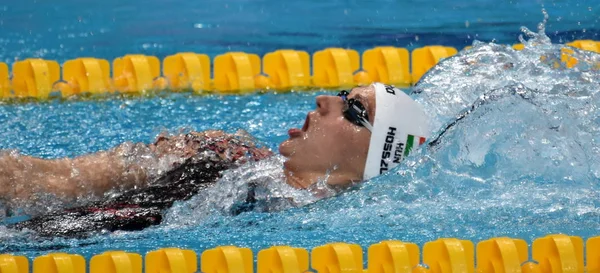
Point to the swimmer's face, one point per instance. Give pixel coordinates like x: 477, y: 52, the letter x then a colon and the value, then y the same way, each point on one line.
x: 328, y: 143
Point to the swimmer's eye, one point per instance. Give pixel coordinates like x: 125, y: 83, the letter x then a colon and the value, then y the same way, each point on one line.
x: 354, y: 111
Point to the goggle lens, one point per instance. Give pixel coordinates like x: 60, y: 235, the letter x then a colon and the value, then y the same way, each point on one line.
x: 354, y: 111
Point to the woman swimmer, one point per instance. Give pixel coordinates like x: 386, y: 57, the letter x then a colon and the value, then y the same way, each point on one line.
x: 348, y: 138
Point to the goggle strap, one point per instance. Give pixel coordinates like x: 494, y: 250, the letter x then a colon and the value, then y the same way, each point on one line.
x: 367, y: 125
x: 361, y: 112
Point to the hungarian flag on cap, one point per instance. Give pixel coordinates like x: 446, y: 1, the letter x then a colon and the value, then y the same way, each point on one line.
x: 410, y: 142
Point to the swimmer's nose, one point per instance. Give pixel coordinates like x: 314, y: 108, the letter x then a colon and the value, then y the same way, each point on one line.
x: 325, y: 103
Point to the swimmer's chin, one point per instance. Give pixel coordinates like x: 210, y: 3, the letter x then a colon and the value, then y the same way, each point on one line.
x: 285, y: 148
x: 287, y: 165
x: 290, y: 179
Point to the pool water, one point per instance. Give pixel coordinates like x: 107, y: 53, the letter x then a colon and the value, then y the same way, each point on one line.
x: 523, y: 162
x: 113, y: 28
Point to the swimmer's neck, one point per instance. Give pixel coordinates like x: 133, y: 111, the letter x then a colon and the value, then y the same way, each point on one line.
x: 303, y: 180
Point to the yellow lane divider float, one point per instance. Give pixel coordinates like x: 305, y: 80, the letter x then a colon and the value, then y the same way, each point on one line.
x: 187, y: 71
x: 334, y: 68
x: 449, y: 255
x: 13, y: 264
x: 235, y: 72
x: 337, y: 258
x: 425, y: 58
x: 133, y: 73
x: 170, y: 260
x: 559, y: 253
x: 34, y: 78
x: 282, y: 259
x: 518, y: 46
x: 59, y: 262
x: 287, y: 69
x: 502, y: 255
x: 4, y: 81
x: 387, y: 64
x: 588, y: 45
x: 85, y: 75
x: 227, y: 259
x: 551, y: 254
x: 117, y: 261
x: 592, y: 255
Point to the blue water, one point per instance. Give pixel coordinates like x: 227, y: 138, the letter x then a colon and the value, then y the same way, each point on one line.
x: 111, y: 28
x: 524, y: 163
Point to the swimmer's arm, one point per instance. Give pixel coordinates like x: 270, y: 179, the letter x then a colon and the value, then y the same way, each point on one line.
x: 94, y: 174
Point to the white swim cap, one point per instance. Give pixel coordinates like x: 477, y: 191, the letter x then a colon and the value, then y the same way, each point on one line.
x: 400, y: 125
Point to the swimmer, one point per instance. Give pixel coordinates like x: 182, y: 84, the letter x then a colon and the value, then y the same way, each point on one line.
x: 348, y: 138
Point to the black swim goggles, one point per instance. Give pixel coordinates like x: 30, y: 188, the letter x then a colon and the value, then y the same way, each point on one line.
x: 354, y: 111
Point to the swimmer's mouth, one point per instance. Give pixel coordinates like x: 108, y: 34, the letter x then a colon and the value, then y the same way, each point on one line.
x: 306, y: 121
